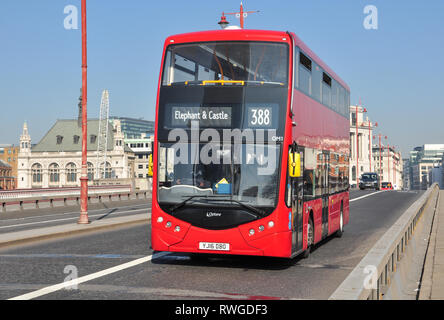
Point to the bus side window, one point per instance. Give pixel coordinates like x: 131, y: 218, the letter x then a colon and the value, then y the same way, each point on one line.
x: 296, y: 67
x: 288, y: 190
x: 305, y: 74
x: 309, y: 166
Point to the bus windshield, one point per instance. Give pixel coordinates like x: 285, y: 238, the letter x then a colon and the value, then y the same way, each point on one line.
x: 234, y: 63
x: 246, y: 173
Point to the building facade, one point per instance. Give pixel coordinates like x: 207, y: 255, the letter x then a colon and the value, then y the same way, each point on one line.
x: 9, y: 155
x: 388, y: 163
x: 142, y: 148
x: 57, y: 159
x: 134, y: 128
x: 7, y: 180
x: 422, y: 161
x: 361, y: 136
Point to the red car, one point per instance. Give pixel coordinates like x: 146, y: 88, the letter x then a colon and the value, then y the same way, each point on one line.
x: 386, y: 186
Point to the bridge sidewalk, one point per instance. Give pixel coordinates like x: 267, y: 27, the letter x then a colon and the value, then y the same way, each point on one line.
x: 432, y: 284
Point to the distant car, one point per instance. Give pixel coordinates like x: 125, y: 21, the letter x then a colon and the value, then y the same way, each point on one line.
x: 386, y: 186
x: 369, y: 180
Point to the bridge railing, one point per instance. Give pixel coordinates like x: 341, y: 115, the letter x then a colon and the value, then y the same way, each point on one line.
x: 13, y: 200
x: 371, y: 278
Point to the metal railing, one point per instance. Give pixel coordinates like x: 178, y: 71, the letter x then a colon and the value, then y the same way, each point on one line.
x: 13, y: 200
x: 371, y: 278
x: 66, y: 191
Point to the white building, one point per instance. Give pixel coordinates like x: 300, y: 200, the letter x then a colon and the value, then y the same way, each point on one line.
x: 422, y: 160
x: 361, y: 131
x: 57, y: 159
x: 390, y: 166
x: 142, y: 149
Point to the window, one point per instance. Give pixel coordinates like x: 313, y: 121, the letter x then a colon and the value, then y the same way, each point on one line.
x: 36, y: 172
x: 107, y: 171
x: 326, y: 90
x: 54, y: 173
x: 242, y: 60
x: 90, y: 171
x: 309, y: 170
x: 92, y: 138
x: 76, y: 139
x: 59, y: 139
x: 71, y: 172
x: 334, y: 173
x: 304, y: 73
x: 316, y: 82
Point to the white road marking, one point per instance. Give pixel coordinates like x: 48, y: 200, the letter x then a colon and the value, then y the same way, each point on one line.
x: 73, y: 218
x: 367, y: 195
x: 99, y: 274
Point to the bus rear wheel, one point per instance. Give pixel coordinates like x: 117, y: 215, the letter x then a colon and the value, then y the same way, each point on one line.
x: 310, y: 238
x: 340, y: 231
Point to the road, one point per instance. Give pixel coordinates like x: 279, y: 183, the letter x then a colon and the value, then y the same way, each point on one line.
x: 31, y: 219
x: 29, y: 268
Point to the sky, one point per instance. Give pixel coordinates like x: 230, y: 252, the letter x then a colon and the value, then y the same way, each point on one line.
x: 396, y: 70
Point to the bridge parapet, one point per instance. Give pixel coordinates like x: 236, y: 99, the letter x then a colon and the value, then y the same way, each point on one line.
x: 25, y: 199
x: 375, y: 275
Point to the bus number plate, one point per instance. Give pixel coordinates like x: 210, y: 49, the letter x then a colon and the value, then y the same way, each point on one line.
x: 214, y: 246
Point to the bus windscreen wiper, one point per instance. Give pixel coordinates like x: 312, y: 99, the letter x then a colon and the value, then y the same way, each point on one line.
x: 184, y: 202
x: 259, y: 212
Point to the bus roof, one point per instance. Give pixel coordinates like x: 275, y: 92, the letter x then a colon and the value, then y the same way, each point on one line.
x: 252, y: 35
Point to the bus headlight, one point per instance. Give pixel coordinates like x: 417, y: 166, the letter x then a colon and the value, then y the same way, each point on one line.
x: 160, y: 220
x: 271, y: 224
x: 251, y: 232
x: 168, y: 224
x: 177, y: 229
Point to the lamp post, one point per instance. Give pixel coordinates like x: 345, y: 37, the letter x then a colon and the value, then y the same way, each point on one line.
x: 394, y: 167
x: 357, y: 143
x: 388, y: 162
x: 83, y: 219
x: 370, y: 143
x: 380, y: 158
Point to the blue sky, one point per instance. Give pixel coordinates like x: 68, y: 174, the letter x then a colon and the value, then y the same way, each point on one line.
x: 397, y: 70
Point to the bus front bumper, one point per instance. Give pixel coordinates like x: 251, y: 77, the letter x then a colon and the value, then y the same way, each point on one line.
x: 235, y: 241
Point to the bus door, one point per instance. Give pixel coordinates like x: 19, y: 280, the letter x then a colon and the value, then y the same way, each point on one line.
x: 297, y: 188
x: 325, y: 191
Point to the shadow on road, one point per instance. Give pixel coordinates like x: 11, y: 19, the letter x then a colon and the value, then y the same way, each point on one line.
x: 234, y: 261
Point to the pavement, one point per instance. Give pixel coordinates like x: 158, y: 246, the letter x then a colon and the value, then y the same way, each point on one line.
x: 432, y: 284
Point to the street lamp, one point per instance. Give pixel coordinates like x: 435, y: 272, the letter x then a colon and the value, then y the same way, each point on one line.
x: 388, y: 162
x: 83, y: 219
x: 380, y: 158
x: 357, y: 143
x: 370, y: 142
x: 223, y: 21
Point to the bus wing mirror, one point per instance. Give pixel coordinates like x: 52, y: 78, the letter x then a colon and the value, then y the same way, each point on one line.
x: 150, y: 165
x: 294, y: 164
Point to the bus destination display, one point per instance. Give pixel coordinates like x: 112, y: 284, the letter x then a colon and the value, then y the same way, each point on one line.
x: 207, y: 116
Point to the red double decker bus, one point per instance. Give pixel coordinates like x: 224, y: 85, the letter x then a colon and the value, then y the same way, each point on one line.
x: 251, y: 146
